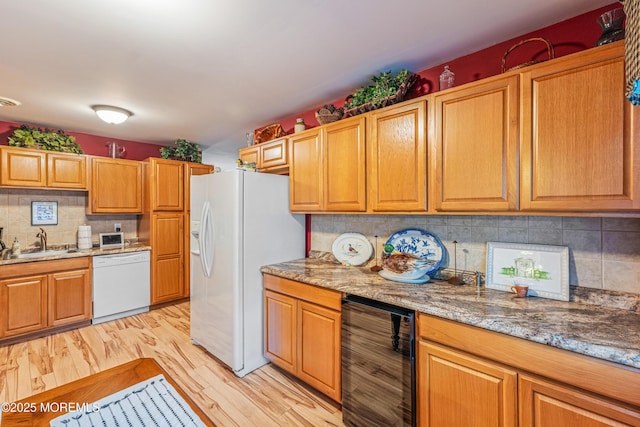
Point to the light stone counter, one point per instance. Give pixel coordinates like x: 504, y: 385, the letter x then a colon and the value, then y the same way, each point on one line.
x: 133, y: 247
x: 596, y: 330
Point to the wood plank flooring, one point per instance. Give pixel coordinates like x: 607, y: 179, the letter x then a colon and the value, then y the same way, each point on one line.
x: 265, y: 397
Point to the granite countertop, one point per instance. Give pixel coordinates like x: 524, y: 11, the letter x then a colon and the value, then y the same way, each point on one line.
x: 586, y: 325
x: 74, y: 253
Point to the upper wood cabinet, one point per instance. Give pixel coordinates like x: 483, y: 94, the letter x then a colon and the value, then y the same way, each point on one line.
x: 23, y: 167
x: 579, y: 149
x: 397, y: 163
x: 327, y: 168
x: 116, y: 186
x: 269, y: 157
x: 165, y: 184
x: 306, y: 171
x: 475, y: 143
x: 344, y: 158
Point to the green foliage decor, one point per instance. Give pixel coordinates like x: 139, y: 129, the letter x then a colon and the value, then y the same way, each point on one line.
x: 182, y: 149
x: 385, y: 85
x: 44, y: 139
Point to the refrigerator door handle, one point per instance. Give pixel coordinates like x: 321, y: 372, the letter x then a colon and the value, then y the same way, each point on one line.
x: 206, y: 239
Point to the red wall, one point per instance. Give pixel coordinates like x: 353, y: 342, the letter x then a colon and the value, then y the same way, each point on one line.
x: 570, y: 36
x: 95, y: 145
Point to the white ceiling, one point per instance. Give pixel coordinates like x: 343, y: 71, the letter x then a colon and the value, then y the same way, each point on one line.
x: 211, y: 70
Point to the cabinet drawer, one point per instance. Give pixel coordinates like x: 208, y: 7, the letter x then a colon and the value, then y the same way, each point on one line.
x: 44, y: 267
x: 324, y: 297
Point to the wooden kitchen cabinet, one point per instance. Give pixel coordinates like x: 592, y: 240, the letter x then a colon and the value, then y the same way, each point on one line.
x: 24, y: 305
x: 167, y: 261
x: 474, y: 150
x: 457, y: 389
x: 43, y: 295
x: 302, y: 332
x: 67, y: 171
x: 116, y: 186
x: 327, y: 172
x: 397, y: 162
x: 24, y: 167
x: 544, y: 403
x: 69, y: 297
x: 269, y: 157
x: 165, y: 183
x: 344, y: 172
x: 306, y: 171
x: 513, y: 381
x: 579, y: 134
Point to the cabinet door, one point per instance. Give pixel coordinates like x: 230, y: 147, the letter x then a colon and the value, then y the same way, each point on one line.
x: 319, y: 348
x: 116, y: 186
x: 23, y: 305
x: 397, y: 178
x: 67, y: 171
x: 69, y: 295
x: 166, y: 185
x: 22, y: 167
x: 274, y: 155
x: 476, y: 142
x: 280, y: 330
x: 344, y: 165
x: 250, y: 155
x: 458, y: 390
x: 305, y: 172
x: 544, y: 403
x: 167, y: 271
x: 578, y: 132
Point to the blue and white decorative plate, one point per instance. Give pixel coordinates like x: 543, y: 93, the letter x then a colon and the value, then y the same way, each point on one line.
x: 352, y: 249
x: 419, y: 243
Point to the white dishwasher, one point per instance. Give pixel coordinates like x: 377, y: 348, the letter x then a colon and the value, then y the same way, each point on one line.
x: 121, y: 285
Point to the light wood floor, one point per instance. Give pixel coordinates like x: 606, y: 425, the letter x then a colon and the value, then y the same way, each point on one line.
x: 265, y: 397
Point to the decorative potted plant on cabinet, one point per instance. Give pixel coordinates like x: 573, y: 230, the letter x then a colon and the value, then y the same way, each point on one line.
x: 44, y: 139
x: 182, y: 149
x: 387, y: 89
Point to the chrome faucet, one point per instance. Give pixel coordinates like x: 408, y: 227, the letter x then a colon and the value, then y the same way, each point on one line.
x: 43, y: 239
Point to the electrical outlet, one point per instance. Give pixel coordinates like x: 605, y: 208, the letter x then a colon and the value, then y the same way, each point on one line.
x: 117, y: 227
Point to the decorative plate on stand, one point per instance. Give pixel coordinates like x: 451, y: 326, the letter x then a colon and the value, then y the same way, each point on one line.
x: 420, y: 244
x: 352, y: 249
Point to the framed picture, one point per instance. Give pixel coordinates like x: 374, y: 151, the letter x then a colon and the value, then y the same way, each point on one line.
x: 44, y: 213
x: 543, y: 268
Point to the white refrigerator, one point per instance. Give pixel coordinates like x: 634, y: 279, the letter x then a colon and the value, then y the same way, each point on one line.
x: 240, y: 222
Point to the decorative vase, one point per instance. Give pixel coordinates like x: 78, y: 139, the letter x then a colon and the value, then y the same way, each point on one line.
x: 611, y: 24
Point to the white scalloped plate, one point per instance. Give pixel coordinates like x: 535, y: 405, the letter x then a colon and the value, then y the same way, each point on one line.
x: 352, y: 249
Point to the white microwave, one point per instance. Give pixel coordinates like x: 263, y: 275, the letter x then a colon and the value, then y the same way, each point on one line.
x: 111, y: 240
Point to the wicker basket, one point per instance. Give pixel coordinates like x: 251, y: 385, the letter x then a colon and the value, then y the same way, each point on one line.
x: 550, y: 52
x: 268, y: 133
x: 325, y: 115
x: 389, y: 100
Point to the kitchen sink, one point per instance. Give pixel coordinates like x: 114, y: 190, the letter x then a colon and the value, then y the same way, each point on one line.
x: 39, y: 254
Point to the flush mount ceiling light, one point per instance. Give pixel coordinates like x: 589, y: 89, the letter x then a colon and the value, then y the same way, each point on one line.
x: 8, y: 102
x: 112, y: 115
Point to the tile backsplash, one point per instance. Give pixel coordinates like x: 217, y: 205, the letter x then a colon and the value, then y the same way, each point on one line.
x: 15, y: 218
x: 604, y: 253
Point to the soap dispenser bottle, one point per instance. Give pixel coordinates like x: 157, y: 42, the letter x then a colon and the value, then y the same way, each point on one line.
x: 15, y: 248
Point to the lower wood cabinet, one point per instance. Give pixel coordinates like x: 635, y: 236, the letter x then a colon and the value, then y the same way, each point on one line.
x: 470, y: 376
x: 460, y: 390
x: 302, y: 332
x: 167, y: 257
x: 42, y: 295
